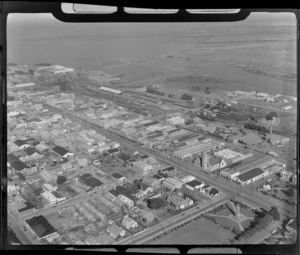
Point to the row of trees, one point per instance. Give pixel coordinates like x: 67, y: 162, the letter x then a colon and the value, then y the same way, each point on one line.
x: 255, y: 127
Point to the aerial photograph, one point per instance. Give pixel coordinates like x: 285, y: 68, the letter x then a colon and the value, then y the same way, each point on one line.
x: 151, y: 133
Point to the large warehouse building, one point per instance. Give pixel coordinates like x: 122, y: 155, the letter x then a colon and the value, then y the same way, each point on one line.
x: 253, y: 170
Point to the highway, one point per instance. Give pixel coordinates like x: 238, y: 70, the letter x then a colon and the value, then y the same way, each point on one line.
x: 233, y: 189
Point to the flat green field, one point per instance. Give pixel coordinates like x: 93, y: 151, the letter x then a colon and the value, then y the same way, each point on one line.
x: 199, y: 232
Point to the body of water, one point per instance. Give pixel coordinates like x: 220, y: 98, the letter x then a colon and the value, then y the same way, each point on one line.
x: 42, y: 39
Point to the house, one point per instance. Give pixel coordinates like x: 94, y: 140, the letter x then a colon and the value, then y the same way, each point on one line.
x: 66, y: 166
x: 194, y: 185
x: 204, y: 189
x: 146, y: 216
x: 114, y: 231
x: 285, y: 175
x: 118, y: 177
x: 129, y: 223
x: 20, y: 166
x: 179, y: 202
x: 62, y: 152
x: 49, y: 187
x: 82, y: 162
x: 42, y: 148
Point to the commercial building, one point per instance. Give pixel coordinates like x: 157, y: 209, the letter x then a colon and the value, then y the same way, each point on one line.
x: 114, y: 91
x: 53, y: 197
x: 251, y: 176
x: 250, y: 139
x: 232, y: 156
x: 172, y: 183
x: 40, y: 226
x: 194, y: 185
x: 198, y: 148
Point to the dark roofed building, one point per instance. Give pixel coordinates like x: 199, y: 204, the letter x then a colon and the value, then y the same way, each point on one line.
x: 125, y: 192
x: 158, y: 177
x: 11, y: 158
x: 194, y: 184
x: 29, y: 208
x: 124, y: 157
x: 162, y: 175
x: 170, y: 171
x: 144, y: 156
x: 18, y: 165
x: 151, y: 123
x: 292, y: 226
x: 113, y: 193
x: 113, y: 151
x: 41, y: 227
x: 20, y: 142
x: 90, y: 181
x: 251, y: 176
x: 61, y: 151
x: 30, y: 151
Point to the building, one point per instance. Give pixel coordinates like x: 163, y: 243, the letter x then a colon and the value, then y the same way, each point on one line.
x: 22, y: 144
x: 175, y: 120
x: 194, y: 185
x: 53, y: 197
x: 251, y: 176
x: 114, y: 91
x: 62, y: 152
x: 169, y: 171
x: 179, y: 202
x: 172, y: 183
x: 185, y: 178
x: 285, y: 175
x: 82, y: 162
x: 114, y: 231
x: 146, y: 216
x: 287, y: 108
x: 142, y: 167
x: 129, y: 223
x: 200, y: 147
x: 49, y: 187
x: 40, y: 226
x: 28, y: 209
x: 278, y: 139
x: 250, y: 139
x: 118, y: 177
x: 47, y: 176
x: 214, y: 193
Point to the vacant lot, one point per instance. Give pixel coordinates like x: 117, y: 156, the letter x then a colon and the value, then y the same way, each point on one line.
x: 199, y: 232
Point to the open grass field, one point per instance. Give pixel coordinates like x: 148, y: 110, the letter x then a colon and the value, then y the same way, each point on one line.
x: 199, y: 232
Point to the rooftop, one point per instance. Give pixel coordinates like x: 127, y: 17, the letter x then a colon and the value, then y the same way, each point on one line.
x: 194, y: 183
x: 250, y: 174
x: 60, y: 150
x: 40, y: 226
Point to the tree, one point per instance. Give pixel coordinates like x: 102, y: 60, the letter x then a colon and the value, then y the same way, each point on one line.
x: 186, y: 97
x: 207, y: 90
x: 155, y: 203
x: 274, y: 213
x: 61, y: 179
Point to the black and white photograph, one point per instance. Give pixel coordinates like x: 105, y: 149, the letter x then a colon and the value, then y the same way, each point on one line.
x: 151, y: 133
